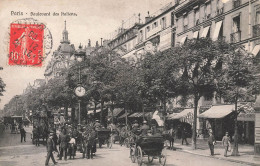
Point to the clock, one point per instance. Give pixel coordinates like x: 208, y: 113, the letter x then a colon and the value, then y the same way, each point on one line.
x: 80, y: 91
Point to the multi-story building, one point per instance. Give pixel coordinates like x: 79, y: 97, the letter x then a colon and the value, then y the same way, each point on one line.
x: 235, y: 21
x: 61, y: 57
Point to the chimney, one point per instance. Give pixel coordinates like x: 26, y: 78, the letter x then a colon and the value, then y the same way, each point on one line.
x: 148, y: 18
x: 101, y: 41
x: 97, y: 44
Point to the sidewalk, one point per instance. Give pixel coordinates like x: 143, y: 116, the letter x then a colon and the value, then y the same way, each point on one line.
x: 246, y: 151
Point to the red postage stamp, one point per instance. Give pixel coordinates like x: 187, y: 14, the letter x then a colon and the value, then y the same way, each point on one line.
x: 26, y: 44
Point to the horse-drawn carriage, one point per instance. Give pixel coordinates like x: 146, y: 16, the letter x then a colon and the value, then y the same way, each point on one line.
x: 148, y: 146
x: 104, y: 137
x: 42, y: 121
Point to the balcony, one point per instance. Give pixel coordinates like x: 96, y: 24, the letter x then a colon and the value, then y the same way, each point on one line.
x: 235, y: 37
x: 236, y: 3
x: 256, y: 30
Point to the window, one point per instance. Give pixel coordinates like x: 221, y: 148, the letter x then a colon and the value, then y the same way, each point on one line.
x: 154, y: 25
x: 163, y: 23
x: 148, y: 28
x: 173, y: 39
x: 257, y: 18
x: 172, y: 18
x: 207, y: 10
x: 236, y: 24
x: 219, y: 9
x: 256, y: 27
x: 196, y: 17
x: 236, y: 3
x: 185, y: 22
x: 236, y: 35
x: 141, y: 36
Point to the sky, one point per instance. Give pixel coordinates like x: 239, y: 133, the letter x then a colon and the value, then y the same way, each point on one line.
x: 95, y: 19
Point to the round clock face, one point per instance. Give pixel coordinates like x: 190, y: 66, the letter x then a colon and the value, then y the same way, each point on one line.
x: 80, y: 91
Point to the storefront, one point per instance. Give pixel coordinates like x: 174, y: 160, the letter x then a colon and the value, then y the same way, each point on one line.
x: 219, y: 119
x: 246, y: 125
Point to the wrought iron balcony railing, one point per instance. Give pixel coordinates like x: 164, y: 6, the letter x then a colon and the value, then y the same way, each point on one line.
x: 235, y: 37
x: 256, y: 30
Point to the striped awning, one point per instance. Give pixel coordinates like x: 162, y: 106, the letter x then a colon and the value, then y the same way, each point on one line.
x: 123, y: 116
x: 116, y: 112
x: 218, y: 111
x: 171, y: 116
x: 140, y: 114
x: 184, y: 113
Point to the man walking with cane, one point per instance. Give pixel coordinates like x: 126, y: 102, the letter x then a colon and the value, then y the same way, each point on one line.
x: 50, y: 148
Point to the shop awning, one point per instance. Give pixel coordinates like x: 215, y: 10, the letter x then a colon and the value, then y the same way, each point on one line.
x: 183, y: 40
x: 216, y: 31
x: 116, y: 112
x: 140, y: 114
x: 256, y: 50
x: 205, y: 31
x: 171, y: 116
x: 184, y: 113
x: 246, y: 117
x: 218, y: 111
x: 195, y: 35
x: 123, y: 116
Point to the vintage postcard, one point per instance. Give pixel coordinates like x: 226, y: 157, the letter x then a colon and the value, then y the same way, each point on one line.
x: 140, y: 82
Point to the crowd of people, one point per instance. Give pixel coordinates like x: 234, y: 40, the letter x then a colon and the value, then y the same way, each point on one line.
x: 67, y: 139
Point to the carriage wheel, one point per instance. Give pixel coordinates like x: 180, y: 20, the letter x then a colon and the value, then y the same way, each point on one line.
x: 132, y: 155
x: 150, y: 159
x: 162, y: 160
x: 126, y: 142
x: 139, y: 156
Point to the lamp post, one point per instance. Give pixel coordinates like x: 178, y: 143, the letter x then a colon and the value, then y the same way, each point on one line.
x: 79, y: 90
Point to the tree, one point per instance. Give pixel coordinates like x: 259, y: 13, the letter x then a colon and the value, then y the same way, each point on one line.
x: 2, y: 85
x: 159, y: 72
x: 197, y: 60
x: 237, y: 82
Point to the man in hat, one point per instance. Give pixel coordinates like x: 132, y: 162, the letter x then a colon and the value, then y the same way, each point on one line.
x: 211, y: 142
x: 144, y: 128
x: 50, y: 148
x: 226, y: 143
x: 63, y: 139
x: 135, y: 127
x: 97, y: 125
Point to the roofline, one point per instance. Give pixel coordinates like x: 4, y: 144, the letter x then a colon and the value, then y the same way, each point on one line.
x: 166, y: 11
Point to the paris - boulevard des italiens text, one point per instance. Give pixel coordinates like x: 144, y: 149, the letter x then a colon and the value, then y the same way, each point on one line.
x: 120, y: 83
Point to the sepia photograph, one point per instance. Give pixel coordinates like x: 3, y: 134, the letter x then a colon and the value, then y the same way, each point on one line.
x: 130, y: 83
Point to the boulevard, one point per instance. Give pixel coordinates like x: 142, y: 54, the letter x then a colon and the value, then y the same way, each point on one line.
x: 15, y: 153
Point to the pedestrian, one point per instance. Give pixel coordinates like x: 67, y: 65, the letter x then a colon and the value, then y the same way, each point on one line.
x: 23, y: 133
x: 50, y: 148
x: 184, y: 136
x: 211, y: 143
x: 171, y: 136
x: 63, y: 140
x: 226, y: 143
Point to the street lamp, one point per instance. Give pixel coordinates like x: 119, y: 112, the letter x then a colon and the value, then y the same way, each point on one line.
x: 80, y: 90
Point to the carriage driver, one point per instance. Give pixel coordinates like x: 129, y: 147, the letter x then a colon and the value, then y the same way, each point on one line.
x: 97, y: 125
x: 144, y: 128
